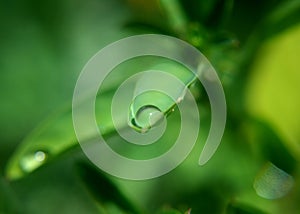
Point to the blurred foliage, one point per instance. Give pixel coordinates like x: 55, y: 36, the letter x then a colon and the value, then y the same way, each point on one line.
x: 254, y: 46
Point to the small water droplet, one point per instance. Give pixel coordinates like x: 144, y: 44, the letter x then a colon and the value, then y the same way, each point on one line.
x: 272, y: 182
x: 39, y: 156
x: 33, y: 160
x: 147, y: 117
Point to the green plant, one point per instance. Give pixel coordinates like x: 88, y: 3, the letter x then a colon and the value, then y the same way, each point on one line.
x: 47, y: 44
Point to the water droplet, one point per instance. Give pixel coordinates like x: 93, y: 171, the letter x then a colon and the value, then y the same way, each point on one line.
x: 272, y: 182
x: 147, y: 117
x: 33, y: 160
x: 39, y: 156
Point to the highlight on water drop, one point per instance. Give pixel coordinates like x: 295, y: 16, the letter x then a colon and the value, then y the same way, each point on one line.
x: 147, y: 117
x: 33, y: 160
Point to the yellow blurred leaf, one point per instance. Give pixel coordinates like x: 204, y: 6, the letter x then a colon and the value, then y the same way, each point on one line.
x: 273, y: 90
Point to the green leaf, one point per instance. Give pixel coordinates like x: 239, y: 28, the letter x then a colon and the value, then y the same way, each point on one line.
x: 45, y: 83
x: 281, y: 18
x: 175, y: 15
x: 212, y: 14
x: 50, y: 139
x: 271, y: 145
x: 56, y: 135
x: 239, y: 208
x: 8, y: 202
x: 55, y: 188
x: 104, y: 190
x: 272, y: 94
x: 170, y: 212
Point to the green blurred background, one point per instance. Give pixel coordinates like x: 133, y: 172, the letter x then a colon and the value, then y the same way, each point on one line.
x: 255, y: 48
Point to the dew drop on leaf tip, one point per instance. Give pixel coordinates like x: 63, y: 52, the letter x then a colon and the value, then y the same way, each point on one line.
x: 146, y: 117
x: 33, y: 160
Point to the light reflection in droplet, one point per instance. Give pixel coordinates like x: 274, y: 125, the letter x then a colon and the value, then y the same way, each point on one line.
x: 147, y: 117
x: 39, y: 156
x: 272, y: 182
x: 33, y: 160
